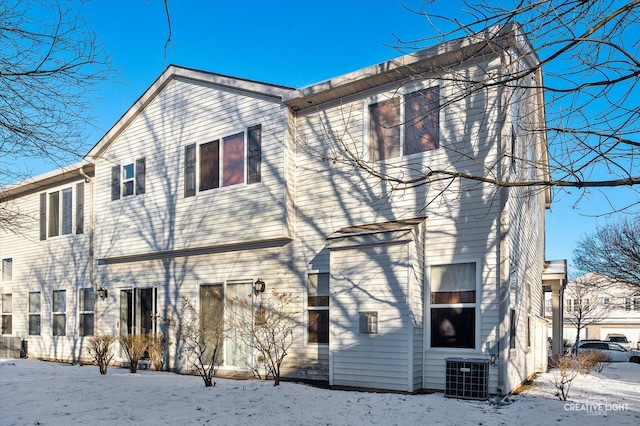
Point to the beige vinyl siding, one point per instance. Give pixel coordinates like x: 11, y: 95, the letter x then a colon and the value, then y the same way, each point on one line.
x: 370, y: 279
x: 57, y: 263
x: 162, y: 219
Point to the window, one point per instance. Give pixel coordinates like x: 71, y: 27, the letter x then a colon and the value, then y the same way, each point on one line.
x: 512, y: 329
x: 7, y: 310
x: 636, y: 303
x: 368, y: 322
x: 60, y: 213
x: 59, y: 325
x: 390, y: 136
x: 318, y: 308
x: 627, y: 303
x: 606, y: 301
x: 56, y: 213
x: 7, y: 269
x: 34, y: 313
x: 224, y: 162
x: 453, y: 305
x: 128, y: 179
x: 85, y: 307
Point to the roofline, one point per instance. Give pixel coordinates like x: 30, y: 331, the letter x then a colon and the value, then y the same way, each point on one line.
x: 172, y: 72
x: 426, y: 60
x: 81, y: 169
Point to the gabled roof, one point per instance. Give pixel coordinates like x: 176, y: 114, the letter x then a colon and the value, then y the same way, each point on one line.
x: 431, y: 59
x: 172, y: 72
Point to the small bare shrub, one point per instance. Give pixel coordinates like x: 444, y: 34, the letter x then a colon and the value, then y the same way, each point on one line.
x: 568, y: 369
x: 100, y: 350
x: 602, y: 360
x: 156, y: 350
x: 134, y: 346
x: 269, y: 329
x: 593, y: 360
x: 202, y: 334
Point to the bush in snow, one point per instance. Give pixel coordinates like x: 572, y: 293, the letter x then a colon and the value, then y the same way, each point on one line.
x: 568, y: 369
x: 268, y: 328
x: 100, y: 350
x: 156, y: 350
x: 134, y: 346
x: 201, y: 334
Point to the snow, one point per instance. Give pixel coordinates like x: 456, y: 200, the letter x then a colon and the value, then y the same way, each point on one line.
x: 42, y: 393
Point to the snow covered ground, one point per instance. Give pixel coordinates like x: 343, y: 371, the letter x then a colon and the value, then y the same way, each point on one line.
x: 42, y: 393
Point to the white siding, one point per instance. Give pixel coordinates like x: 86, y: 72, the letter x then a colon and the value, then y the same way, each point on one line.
x: 162, y: 219
x: 57, y: 263
x: 370, y: 279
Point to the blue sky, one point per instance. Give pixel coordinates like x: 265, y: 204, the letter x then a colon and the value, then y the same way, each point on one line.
x: 286, y: 42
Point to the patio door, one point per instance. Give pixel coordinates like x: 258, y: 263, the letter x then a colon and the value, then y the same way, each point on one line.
x: 137, y: 307
x: 238, y: 353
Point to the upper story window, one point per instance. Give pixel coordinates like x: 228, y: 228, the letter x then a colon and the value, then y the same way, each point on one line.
x: 7, y: 269
x: 227, y: 161
x: 57, y: 209
x: 128, y: 179
x: 396, y: 131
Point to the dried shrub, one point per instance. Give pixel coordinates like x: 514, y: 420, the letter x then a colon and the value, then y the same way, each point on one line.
x: 100, y: 350
x: 568, y: 369
x: 202, y: 334
x: 269, y: 329
x: 134, y: 346
x: 156, y: 350
x: 593, y: 360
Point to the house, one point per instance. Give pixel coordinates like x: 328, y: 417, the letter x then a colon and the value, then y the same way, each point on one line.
x: 210, y: 182
x: 601, y: 308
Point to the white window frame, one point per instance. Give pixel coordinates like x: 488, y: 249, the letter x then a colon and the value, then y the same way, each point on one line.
x: 308, y: 308
x: 59, y: 313
x: 7, y: 276
x: 34, y: 313
x: 86, y: 311
x: 221, y: 139
x: 6, y: 313
x: 382, y: 97
x: 125, y: 179
x: 60, y: 211
x: 477, y: 305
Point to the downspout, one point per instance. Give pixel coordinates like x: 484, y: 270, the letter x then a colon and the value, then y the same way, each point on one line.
x: 88, y: 180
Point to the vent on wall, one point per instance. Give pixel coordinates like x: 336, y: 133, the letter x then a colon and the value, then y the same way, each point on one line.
x: 467, y: 378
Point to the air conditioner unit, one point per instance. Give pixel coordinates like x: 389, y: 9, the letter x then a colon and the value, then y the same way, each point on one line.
x: 10, y: 347
x: 467, y: 378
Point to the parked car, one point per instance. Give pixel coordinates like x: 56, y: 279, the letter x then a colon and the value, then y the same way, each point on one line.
x: 616, y: 352
x: 620, y: 339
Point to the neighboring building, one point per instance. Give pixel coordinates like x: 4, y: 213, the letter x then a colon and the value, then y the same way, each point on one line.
x: 604, y: 308
x: 210, y: 182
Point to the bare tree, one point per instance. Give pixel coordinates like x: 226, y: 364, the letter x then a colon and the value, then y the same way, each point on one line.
x: 202, y: 335
x: 582, y: 302
x: 268, y: 328
x: 51, y: 62
x: 613, y: 251
x: 588, y: 55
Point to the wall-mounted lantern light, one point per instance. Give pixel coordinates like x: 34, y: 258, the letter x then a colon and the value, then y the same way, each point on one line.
x: 258, y: 286
x: 102, y: 293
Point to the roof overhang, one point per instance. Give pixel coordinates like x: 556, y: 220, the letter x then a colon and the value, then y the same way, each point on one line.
x: 432, y: 59
x: 46, y: 180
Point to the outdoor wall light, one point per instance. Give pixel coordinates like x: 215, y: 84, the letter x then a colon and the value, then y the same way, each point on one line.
x: 102, y: 293
x: 258, y: 286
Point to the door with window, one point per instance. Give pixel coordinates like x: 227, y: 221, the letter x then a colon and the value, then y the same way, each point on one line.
x: 137, y: 307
